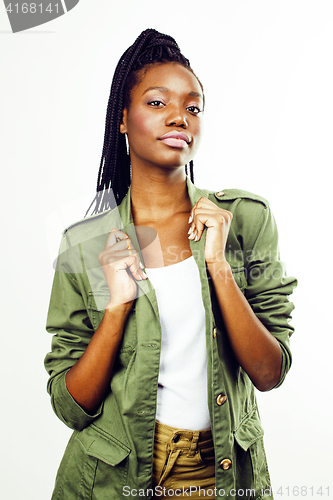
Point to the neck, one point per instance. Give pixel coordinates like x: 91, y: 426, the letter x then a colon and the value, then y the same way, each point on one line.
x: 159, y: 194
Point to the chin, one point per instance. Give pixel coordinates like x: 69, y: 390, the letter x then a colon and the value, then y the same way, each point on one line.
x: 175, y: 160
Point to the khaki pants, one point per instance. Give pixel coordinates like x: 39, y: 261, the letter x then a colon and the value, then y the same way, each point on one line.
x: 184, y: 463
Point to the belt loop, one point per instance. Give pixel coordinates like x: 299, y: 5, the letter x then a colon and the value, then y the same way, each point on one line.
x: 194, y: 444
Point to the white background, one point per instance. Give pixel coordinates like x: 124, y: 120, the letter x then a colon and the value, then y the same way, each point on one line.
x: 267, y: 71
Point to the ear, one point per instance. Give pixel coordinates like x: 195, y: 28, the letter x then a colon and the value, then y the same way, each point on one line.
x: 123, y: 124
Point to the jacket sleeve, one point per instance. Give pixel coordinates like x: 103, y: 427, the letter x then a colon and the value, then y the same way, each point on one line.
x: 70, y: 325
x: 268, y: 286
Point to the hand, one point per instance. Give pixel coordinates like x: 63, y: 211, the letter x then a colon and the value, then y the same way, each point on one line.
x: 122, y: 268
x: 206, y: 213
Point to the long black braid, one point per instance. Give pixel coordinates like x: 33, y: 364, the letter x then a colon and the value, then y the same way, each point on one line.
x: 114, y: 175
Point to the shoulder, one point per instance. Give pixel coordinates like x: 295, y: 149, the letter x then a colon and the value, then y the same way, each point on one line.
x: 90, y: 228
x: 250, y: 211
x: 232, y: 196
x: 85, y: 224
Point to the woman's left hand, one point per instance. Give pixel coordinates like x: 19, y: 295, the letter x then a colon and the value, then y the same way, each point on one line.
x: 206, y: 213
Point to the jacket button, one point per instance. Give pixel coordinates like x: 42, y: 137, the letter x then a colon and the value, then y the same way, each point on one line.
x: 221, y: 399
x: 225, y: 464
x: 176, y: 438
x: 214, y: 332
x: 219, y: 194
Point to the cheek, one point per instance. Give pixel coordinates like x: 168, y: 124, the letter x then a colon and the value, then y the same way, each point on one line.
x: 139, y: 122
x: 198, y: 132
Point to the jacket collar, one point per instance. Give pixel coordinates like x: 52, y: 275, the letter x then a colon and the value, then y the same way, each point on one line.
x: 194, y: 192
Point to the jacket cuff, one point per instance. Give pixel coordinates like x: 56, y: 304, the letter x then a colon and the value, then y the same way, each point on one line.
x: 286, y: 363
x: 67, y: 409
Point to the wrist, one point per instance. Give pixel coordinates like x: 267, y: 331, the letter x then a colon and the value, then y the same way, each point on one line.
x: 118, y: 312
x: 220, y: 270
x: 119, y: 306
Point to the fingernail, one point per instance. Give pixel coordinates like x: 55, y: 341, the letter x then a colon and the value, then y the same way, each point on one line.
x: 144, y: 274
x: 141, y: 265
x: 190, y: 230
x: 190, y: 219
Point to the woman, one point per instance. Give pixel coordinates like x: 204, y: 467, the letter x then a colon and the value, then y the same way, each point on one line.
x: 169, y: 306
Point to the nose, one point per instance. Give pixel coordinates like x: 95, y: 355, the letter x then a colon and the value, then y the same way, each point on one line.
x: 177, y: 117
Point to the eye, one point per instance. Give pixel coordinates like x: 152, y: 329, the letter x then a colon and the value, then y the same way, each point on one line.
x: 156, y: 104
x: 194, y: 109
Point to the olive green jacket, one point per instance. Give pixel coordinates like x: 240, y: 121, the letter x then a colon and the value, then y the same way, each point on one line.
x: 114, y: 448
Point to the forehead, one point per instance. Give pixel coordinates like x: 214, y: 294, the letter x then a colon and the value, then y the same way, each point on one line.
x: 171, y: 76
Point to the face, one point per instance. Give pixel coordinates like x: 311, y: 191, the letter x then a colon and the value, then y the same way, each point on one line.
x: 164, y: 119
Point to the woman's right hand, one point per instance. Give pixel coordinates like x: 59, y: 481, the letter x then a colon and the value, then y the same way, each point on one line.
x: 122, y: 268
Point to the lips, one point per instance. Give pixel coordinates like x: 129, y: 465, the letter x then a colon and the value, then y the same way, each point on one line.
x: 176, y: 139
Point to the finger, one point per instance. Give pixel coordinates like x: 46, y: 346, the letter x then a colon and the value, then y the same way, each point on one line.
x: 193, y: 232
x: 118, y: 240
x: 197, y: 225
x: 136, y: 268
x: 120, y: 245
x: 129, y: 248
x: 199, y: 204
x: 114, y: 236
x: 196, y: 231
x: 126, y: 248
x: 228, y: 215
x: 120, y: 256
x: 209, y: 216
x: 191, y: 213
x: 206, y: 214
x: 110, y: 257
x: 209, y: 205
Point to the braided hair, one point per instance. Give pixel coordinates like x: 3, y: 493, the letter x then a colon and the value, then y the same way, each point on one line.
x: 114, y: 176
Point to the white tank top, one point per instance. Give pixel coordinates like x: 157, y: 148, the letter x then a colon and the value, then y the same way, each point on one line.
x: 182, y: 389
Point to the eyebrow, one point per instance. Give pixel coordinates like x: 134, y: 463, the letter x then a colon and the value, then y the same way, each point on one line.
x: 165, y: 89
